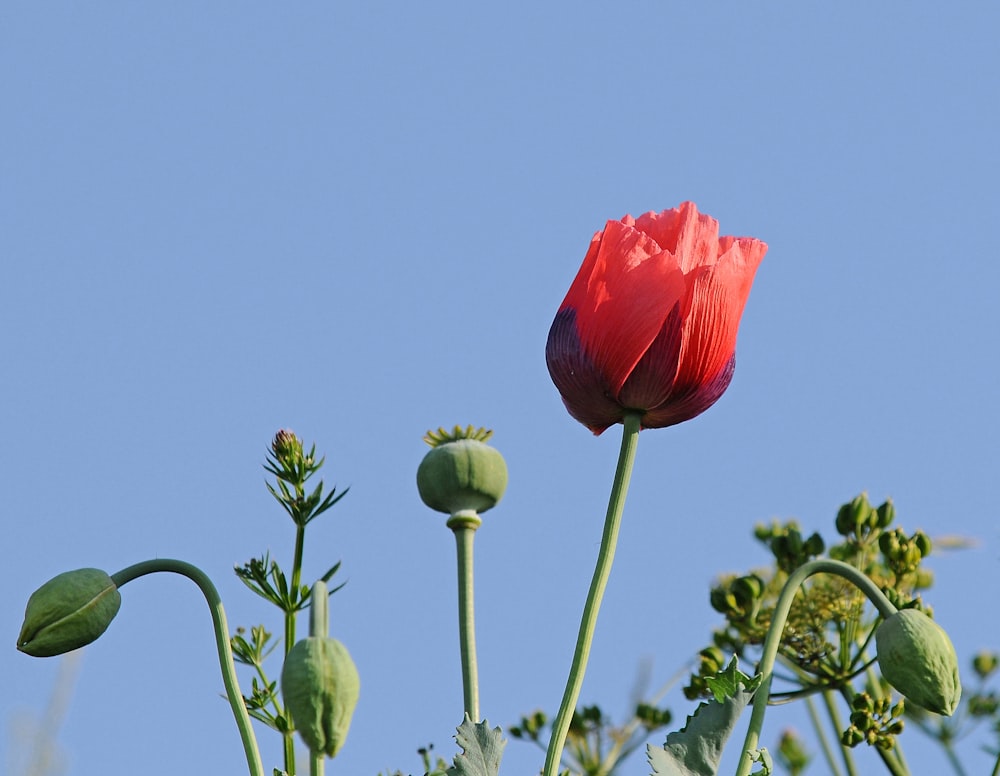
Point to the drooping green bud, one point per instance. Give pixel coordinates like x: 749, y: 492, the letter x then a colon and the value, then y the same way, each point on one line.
x: 462, y: 474
x: 916, y: 657
x: 68, y: 612
x: 320, y: 685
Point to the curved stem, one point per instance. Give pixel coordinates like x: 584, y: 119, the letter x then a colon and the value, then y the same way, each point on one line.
x: 221, y: 628
x: 605, y: 557
x: 464, y: 525
x: 773, y: 640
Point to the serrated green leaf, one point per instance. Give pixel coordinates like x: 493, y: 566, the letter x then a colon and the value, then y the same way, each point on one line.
x: 482, y: 749
x: 726, y: 682
x: 696, y: 749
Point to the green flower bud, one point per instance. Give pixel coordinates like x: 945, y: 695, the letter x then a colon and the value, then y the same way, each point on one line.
x: 68, y: 612
x: 463, y: 475
x: 320, y: 685
x: 917, y: 658
x: 985, y: 663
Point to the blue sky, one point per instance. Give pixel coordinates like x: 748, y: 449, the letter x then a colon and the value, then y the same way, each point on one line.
x: 358, y: 220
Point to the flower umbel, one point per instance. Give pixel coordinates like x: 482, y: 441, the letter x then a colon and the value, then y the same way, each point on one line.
x: 649, y: 324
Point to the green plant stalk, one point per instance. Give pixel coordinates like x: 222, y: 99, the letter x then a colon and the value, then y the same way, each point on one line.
x: 996, y: 767
x: 464, y: 525
x: 831, y: 710
x: 288, y: 737
x: 319, y: 626
x: 773, y: 639
x: 221, y: 629
x: 588, y: 623
x: 824, y: 743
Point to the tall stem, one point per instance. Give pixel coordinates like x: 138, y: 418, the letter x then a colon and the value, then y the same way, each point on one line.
x: 773, y: 639
x: 821, y: 735
x: 605, y: 557
x: 831, y: 710
x: 319, y: 627
x: 221, y: 629
x: 288, y: 737
x: 464, y: 524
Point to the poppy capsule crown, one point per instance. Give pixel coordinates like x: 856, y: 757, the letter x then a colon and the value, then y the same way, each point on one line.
x: 649, y: 324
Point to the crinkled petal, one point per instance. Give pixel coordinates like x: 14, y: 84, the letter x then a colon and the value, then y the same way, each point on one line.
x: 718, y: 296
x: 691, y: 236
x: 582, y: 386
x: 651, y: 381
x: 621, y: 295
x: 687, y: 401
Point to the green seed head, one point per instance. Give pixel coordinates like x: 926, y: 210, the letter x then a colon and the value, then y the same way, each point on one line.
x: 463, y: 475
x: 320, y: 685
x: 918, y: 659
x: 68, y: 612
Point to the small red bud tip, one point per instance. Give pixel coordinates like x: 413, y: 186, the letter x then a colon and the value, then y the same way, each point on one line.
x: 649, y: 324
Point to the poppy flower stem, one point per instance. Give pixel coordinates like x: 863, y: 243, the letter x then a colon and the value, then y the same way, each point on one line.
x: 464, y: 525
x: 773, y: 639
x: 612, y: 523
x: 221, y: 629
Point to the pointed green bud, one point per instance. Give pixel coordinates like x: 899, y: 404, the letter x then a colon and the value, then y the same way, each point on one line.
x: 462, y: 476
x: 68, y: 612
x: 320, y: 685
x: 916, y: 657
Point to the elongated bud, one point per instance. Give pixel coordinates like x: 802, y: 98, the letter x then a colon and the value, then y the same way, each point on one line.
x: 461, y: 475
x: 320, y: 685
x: 68, y: 612
x: 916, y: 657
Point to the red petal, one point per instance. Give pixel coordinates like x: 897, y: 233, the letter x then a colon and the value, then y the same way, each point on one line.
x: 622, y: 295
x: 718, y: 296
x: 691, y: 236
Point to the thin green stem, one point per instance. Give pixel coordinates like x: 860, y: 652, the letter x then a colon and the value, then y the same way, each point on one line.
x: 319, y: 627
x: 290, y: 616
x: 952, y: 756
x: 221, y: 629
x: 996, y: 767
x: 831, y: 710
x: 824, y: 742
x: 288, y: 738
x: 773, y: 638
x: 588, y: 623
x: 464, y: 525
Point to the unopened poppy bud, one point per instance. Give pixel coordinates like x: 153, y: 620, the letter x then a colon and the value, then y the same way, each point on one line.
x: 916, y: 657
x: 461, y: 476
x: 320, y: 685
x: 68, y: 612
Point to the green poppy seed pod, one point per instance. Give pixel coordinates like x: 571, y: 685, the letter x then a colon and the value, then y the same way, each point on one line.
x: 320, y: 685
x: 464, y: 475
x: 68, y: 612
x: 917, y: 658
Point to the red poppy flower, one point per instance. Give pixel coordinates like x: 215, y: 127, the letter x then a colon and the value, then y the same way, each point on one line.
x: 650, y: 322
